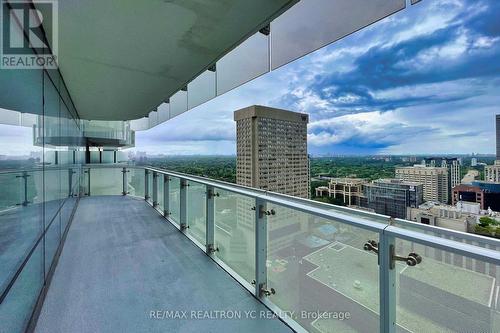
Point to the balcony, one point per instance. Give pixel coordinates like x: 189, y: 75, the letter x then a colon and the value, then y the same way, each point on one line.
x: 144, y: 243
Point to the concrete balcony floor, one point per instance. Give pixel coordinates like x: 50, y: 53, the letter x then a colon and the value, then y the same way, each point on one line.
x: 122, y: 260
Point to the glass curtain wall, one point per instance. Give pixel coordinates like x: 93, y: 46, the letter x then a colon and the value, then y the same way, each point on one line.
x: 39, y: 182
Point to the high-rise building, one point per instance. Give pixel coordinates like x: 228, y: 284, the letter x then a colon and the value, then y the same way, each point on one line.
x: 435, y: 181
x: 492, y: 172
x: 454, y: 170
x: 272, y: 150
x: 392, y: 197
x: 473, y: 162
x: 498, y: 136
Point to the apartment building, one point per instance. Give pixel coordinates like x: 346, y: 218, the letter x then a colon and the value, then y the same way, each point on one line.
x: 272, y: 150
x: 435, y: 181
x: 454, y: 170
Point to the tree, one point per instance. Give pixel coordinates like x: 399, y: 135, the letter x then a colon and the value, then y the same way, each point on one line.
x: 486, y: 221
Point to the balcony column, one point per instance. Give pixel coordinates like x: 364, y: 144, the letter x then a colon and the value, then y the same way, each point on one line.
x: 260, y: 246
x: 183, y: 205
x: 210, y: 219
x: 387, y: 280
x: 166, y: 192
x: 155, y: 189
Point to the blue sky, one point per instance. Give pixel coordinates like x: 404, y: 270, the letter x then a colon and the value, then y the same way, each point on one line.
x: 424, y: 80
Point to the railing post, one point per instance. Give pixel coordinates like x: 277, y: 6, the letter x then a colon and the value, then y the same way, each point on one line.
x: 155, y: 189
x: 260, y: 246
x: 24, y: 176
x: 146, y: 184
x: 387, y: 276
x: 183, y: 204
x: 125, y: 181
x: 210, y: 222
x: 70, y: 182
x: 166, y: 192
x: 88, y: 182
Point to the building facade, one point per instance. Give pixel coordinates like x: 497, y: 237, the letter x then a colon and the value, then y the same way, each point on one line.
x: 272, y: 150
x: 456, y: 218
x: 435, y: 181
x: 454, y: 167
x: 350, y: 189
x: 468, y: 193
x: 392, y: 197
x: 492, y: 172
x: 498, y: 135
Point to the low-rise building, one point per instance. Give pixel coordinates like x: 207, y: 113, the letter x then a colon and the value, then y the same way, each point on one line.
x: 457, y: 217
x: 392, y: 197
x: 350, y: 189
x: 468, y: 193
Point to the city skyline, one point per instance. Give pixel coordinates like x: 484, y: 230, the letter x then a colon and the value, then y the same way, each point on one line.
x: 357, y: 103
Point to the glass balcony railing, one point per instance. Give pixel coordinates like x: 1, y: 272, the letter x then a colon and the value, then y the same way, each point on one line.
x: 321, y: 268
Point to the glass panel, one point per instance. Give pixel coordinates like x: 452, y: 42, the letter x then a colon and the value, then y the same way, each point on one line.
x: 16, y: 309
x: 196, y: 211
x: 95, y: 157
x: 153, y: 119
x: 174, y: 198
x: 235, y: 232
x: 472, y: 239
x: 135, y: 179
x: 66, y: 211
x: 13, y: 194
x: 312, y: 24
x: 121, y: 157
x: 178, y: 103
x: 20, y: 220
x: 80, y: 157
x: 108, y: 156
x: 247, y: 61
x: 315, y: 265
x: 84, y: 181
x: 163, y: 112
x: 52, y: 193
x: 106, y: 181
x: 52, y: 239
x: 446, y: 292
x: 201, y: 89
x: 160, y: 201
x: 139, y: 124
x: 21, y: 89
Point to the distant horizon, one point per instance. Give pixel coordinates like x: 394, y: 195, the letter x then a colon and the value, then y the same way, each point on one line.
x: 312, y: 155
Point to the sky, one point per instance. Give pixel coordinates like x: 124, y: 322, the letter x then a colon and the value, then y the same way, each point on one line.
x: 422, y: 81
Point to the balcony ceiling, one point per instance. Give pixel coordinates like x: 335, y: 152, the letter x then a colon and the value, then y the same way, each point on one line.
x: 122, y: 58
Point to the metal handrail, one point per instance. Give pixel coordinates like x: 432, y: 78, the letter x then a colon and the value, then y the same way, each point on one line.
x: 320, y: 209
